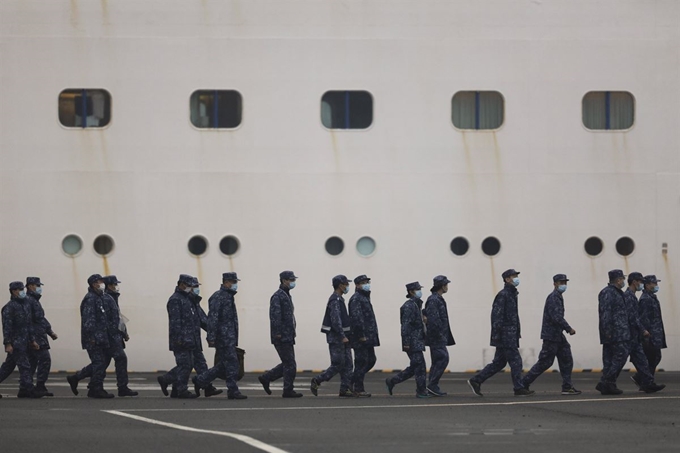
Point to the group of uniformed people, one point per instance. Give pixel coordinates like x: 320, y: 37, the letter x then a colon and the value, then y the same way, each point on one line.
x: 628, y: 328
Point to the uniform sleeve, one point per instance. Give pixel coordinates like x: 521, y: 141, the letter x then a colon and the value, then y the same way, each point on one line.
x: 336, y: 317
x: 213, y: 318
x: 497, y: 316
x: 407, y: 315
x: 39, y: 316
x: 7, y: 326
x: 632, y: 311
x: 88, y: 315
x: 556, y: 313
x: 275, y: 320
x: 175, y: 322
x: 434, y: 319
x: 604, y: 308
x: 356, y: 315
x: 646, y: 312
x: 203, y: 317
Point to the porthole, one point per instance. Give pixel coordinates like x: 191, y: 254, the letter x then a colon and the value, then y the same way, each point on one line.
x: 625, y: 246
x: 103, y: 245
x: 593, y: 246
x: 460, y: 246
x: 72, y: 245
x: 334, y: 245
x: 229, y: 245
x: 366, y: 246
x: 491, y: 246
x: 197, y: 245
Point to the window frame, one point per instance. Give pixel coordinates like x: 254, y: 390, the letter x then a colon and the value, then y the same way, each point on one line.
x: 217, y: 129
x: 85, y: 127
x: 330, y: 129
x: 583, y: 124
x: 477, y: 91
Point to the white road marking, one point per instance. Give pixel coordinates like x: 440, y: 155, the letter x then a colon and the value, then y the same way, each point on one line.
x: 240, y: 437
x: 415, y: 406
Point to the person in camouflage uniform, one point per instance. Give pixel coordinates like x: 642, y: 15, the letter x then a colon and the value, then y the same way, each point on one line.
x: 282, y: 329
x: 439, y: 334
x: 555, y: 344
x: 505, y: 335
x: 364, y: 333
x: 18, y: 338
x: 413, y: 332
x: 40, y: 359
x: 616, y: 334
x: 223, y: 335
x: 336, y: 326
x: 652, y: 321
x: 643, y: 379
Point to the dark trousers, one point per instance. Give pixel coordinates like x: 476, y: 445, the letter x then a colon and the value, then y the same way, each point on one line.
x: 227, y: 367
x: 99, y: 360
x: 18, y: 358
x: 341, y: 362
x: 639, y: 359
x: 503, y: 356
x: 41, y: 361
x: 550, y: 350
x: 653, y: 356
x: 179, y: 375
x: 117, y: 353
x: 416, y: 368
x: 364, y: 360
x: 614, y: 357
x: 440, y: 360
x: 286, y: 369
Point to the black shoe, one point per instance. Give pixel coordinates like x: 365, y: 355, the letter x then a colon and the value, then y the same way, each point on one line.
x: 73, y: 382
x: 571, y: 391
x: 476, y: 387
x: 435, y: 391
x: 163, y: 384
x: 125, y: 391
x: 347, y: 393
x: 265, y: 384
x: 40, y: 387
x: 634, y: 378
x: 524, y: 392
x: 423, y: 395
x: 211, y: 391
x: 390, y: 385
x: 99, y: 393
x: 614, y: 390
x: 173, y: 392
x: 197, y: 388
x: 653, y: 387
x: 236, y: 396
x: 362, y: 394
x: 608, y: 389
x: 32, y: 393
x: 314, y: 387
x: 292, y: 395
x: 186, y: 394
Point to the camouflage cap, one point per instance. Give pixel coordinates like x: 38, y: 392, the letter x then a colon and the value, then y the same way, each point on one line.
x: 508, y: 273
x: 361, y: 278
x: 194, y: 282
x: 615, y: 273
x: 340, y: 280
x: 651, y: 279
x: 635, y: 276
x: 413, y: 285
x: 186, y: 279
x: 287, y: 275
x: 440, y: 280
x: 16, y: 285
x: 111, y: 280
x: 230, y: 276
x: 33, y: 281
x: 560, y: 278
x: 93, y: 278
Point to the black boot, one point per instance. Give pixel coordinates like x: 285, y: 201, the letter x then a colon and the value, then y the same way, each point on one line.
x: 73, y: 382
x: 40, y: 387
x: 99, y: 393
x: 29, y: 393
x: 186, y: 394
x: 211, y: 391
x: 125, y: 391
x: 163, y: 384
x: 174, y: 393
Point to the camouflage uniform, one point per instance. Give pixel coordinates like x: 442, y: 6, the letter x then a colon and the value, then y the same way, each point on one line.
x: 98, y: 320
x: 336, y: 326
x: 438, y: 337
x: 40, y: 359
x: 223, y: 334
x: 282, y: 328
x: 413, y: 342
x: 363, y: 325
x: 17, y: 330
x: 650, y: 316
x: 555, y: 344
x: 615, y: 335
x: 636, y: 353
x: 505, y: 335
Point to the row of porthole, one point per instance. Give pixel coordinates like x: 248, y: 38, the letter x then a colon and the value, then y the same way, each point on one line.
x: 198, y: 245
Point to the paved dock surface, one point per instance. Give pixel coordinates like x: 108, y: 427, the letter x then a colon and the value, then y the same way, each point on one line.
x: 460, y: 421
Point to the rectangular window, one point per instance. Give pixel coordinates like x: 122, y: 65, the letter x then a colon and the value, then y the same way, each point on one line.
x: 216, y: 109
x: 608, y: 110
x: 477, y: 110
x: 79, y: 107
x: 347, y: 109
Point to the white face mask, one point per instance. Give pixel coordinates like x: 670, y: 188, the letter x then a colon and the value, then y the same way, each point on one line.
x: 656, y: 289
x: 234, y: 287
x: 101, y: 286
x: 22, y: 294
x: 116, y: 288
x: 366, y: 287
x: 346, y: 290
x: 562, y: 288
x: 419, y: 294
x: 515, y: 281
x: 291, y: 285
x: 38, y: 290
x: 187, y: 289
x: 196, y: 290
x: 623, y: 284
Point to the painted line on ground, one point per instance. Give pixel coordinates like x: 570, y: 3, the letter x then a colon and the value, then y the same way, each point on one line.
x: 240, y: 437
x: 403, y: 406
